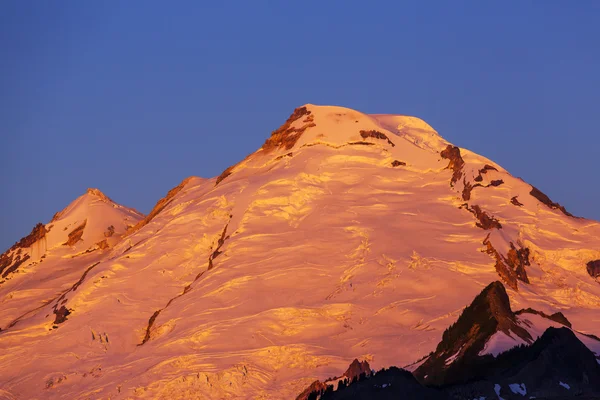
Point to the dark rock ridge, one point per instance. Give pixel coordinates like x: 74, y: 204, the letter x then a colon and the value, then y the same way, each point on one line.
x: 376, y: 135
x: 9, y: 261
x: 593, y: 268
x: 537, y: 370
x: 468, y: 187
x: 489, y: 313
x: 387, y: 384
x: 159, y: 206
x: 484, y: 170
x: 485, y: 221
x: 314, y: 390
x: 397, y: 163
x: 514, y: 200
x: 286, y: 136
x: 456, y: 163
x: 557, y: 365
x: 356, y: 369
x: 556, y: 317
x: 187, y: 288
x: 511, y: 267
x: 535, y: 192
x: 61, y: 315
x: 76, y: 234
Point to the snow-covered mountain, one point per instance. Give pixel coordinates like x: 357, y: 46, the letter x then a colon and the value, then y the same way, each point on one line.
x: 344, y: 236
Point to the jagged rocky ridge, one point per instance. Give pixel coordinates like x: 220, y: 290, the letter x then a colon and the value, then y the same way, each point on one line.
x: 557, y: 364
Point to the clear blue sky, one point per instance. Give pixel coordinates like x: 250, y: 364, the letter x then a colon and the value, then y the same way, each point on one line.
x: 134, y: 96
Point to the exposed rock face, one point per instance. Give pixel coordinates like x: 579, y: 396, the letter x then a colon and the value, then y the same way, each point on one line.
x: 109, y: 231
x: 518, y: 259
x: 593, y: 268
x: 387, y: 384
x: 357, y: 368
x: 535, y: 192
x: 514, y: 200
x: 376, y: 135
x: 311, y: 392
x: 557, y: 365
x: 456, y: 163
x: 160, y: 205
x: 397, y: 163
x: 286, y: 136
x: 557, y: 317
x: 75, y: 235
x: 484, y: 170
x: 485, y: 221
x: 12, y: 258
x: 489, y: 313
x: 512, y: 267
x: 218, y: 251
x: 225, y: 174
x: 98, y: 193
x: 61, y: 315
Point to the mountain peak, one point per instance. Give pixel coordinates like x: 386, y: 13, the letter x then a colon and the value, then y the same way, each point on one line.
x: 96, y: 192
x: 489, y: 313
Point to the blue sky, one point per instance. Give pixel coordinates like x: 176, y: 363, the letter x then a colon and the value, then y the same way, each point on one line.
x: 134, y: 96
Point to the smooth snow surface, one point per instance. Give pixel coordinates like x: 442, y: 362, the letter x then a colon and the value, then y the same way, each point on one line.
x: 320, y: 254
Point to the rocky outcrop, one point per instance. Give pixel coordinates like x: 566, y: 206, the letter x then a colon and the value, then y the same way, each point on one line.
x: 75, y: 235
x: 160, y: 205
x: 535, y: 192
x: 286, y: 136
x: 518, y: 259
x: 557, y: 365
x: 218, y: 251
x: 61, y: 315
x: 556, y: 317
x: 514, y: 200
x: 376, y: 135
x: 456, y: 163
x: 387, y: 384
x: 14, y: 257
x: 356, y: 369
x: 484, y: 220
x: 98, y: 193
x: 110, y: 231
x: 462, y: 342
x: 512, y: 267
x: 593, y: 268
x: 315, y: 389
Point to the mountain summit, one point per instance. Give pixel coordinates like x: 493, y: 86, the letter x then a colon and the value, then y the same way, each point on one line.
x: 345, y: 236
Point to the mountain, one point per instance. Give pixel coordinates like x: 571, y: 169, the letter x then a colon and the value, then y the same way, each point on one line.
x: 471, y: 362
x: 556, y: 366
x: 344, y: 236
x: 53, y: 256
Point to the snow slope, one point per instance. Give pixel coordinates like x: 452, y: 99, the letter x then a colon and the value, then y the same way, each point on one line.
x: 77, y: 237
x: 312, y: 251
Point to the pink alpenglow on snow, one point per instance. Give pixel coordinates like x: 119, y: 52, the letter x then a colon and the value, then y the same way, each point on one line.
x: 346, y: 236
